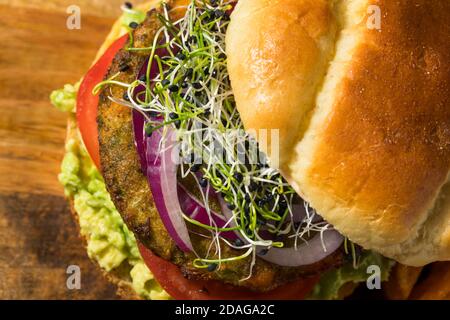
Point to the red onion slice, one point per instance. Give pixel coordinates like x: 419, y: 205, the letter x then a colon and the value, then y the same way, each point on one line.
x: 193, y: 208
x: 151, y: 165
x: 162, y: 177
x: 170, y: 197
x: 161, y: 173
x: 316, y: 249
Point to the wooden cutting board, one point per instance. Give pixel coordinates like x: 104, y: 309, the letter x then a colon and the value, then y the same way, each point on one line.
x: 38, y: 239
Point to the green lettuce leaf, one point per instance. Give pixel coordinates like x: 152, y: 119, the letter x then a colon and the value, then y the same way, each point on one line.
x: 332, y: 281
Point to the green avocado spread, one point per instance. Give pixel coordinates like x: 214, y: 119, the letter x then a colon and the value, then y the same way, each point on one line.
x: 109, y: 242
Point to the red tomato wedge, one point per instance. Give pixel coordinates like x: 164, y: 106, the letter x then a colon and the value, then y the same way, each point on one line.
x: 178, y: 287
x: 87, y: 102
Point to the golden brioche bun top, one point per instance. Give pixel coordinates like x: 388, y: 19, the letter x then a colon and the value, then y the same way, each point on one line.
x: 363, y: 113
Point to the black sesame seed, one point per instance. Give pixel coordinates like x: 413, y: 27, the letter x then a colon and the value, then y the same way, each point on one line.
x: 261, y: 203
x: 153, y: 114
x: 283, y: 204
x: 224, y: 122
x: 212, y: 267
x: 195, y: 168
x: 143, y: 78
x: 197, y: 85
x: 238, y: 176
x: 184, y: 85
x: 189, y: 73
x: 207, y: 113
x: 174, y: 88
x: 210, y: 18
x: 203, y: 182
x: 219, y: 13
x: 124, y: 67
x: 191, y: 158
x: 253, y: 186
x: 263, y: 252
x: 181, y: 56
x: 192, y: 39
x: 165, y: 82
x: 134, y: 25
x: 198, y: 94
x: 231, y: 206
x: 128, y: 5
x: 247, y: 198
x: 173, y: 116
x: 177, y: 124
x: 238, y: 242
x: 214, y: 73
x: 126, y: 97
x: 222, y: 56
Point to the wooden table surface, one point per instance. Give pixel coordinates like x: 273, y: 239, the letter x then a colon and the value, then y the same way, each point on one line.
x: 38, y: 238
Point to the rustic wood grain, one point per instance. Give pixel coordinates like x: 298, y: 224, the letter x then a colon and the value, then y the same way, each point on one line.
x: 38, y: 239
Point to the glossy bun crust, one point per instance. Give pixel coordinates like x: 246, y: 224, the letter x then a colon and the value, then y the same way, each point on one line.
x: 363, y: 113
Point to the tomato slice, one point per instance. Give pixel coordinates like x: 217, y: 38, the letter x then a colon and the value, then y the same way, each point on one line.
x: 87, y: 103
x: 178, y: 287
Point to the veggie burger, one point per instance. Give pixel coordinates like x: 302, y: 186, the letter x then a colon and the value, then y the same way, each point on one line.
x: 262, y: 149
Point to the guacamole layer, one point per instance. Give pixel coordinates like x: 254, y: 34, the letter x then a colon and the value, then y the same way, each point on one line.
x: 109, y: 242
